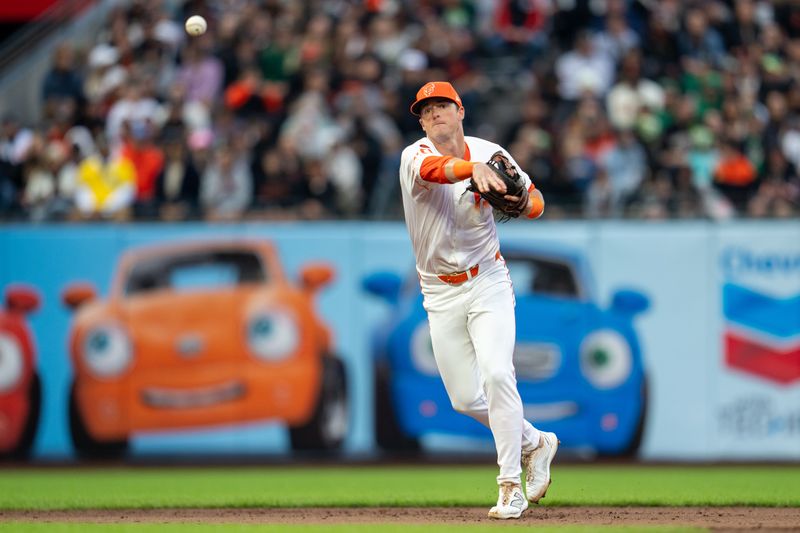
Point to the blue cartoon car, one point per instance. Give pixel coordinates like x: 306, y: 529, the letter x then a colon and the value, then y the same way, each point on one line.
x: 579, y: 366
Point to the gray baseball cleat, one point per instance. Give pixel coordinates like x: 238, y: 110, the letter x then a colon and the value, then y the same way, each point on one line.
x: 510, y: 502
x: 537, y: 466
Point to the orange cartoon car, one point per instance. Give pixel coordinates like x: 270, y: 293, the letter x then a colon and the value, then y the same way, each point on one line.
x: 203, y: 334
x: 20, y: 387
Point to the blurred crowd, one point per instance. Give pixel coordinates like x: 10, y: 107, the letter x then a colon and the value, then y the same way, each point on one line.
x: 298, y: 109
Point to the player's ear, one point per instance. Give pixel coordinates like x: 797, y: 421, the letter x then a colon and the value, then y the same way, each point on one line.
x: 461, y: 112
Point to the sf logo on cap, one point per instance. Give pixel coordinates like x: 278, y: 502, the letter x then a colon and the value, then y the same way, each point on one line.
x: 429, y: 89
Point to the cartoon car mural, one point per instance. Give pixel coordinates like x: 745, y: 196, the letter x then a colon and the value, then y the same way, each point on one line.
x: 203, y: 334
x: 20, y: 385
x: 579, y: 366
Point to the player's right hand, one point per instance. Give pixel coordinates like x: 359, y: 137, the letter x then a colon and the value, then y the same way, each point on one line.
x: 485, y: 179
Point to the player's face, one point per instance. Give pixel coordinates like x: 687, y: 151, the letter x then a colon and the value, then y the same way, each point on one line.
x: 440, y: 117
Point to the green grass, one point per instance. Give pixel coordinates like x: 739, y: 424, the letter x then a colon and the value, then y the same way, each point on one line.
x: 237, y: 487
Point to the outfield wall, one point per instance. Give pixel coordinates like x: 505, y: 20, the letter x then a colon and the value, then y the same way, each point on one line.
x: 720, y: 340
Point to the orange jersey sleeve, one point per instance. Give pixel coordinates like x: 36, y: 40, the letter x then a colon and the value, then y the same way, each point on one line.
x: 445, y: 169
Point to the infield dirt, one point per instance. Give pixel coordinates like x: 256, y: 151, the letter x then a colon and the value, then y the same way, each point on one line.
x: 716, y: 518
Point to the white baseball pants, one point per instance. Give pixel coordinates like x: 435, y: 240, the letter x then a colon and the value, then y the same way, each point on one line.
x: 473, y: 331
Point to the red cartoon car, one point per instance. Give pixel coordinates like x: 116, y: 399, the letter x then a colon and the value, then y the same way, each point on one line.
x: 203, y: 334
x: 20, y: 387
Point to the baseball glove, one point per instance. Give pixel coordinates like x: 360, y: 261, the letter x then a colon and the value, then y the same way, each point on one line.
x: 515, y: 186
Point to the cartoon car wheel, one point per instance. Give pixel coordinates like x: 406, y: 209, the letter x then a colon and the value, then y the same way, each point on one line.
x: 388, y: 433
x: 638, y: 436
x: 328, y: 426
x: 20, y: 385
x: 29, y: 433
x: 85, y: 445
x: 23, y: 448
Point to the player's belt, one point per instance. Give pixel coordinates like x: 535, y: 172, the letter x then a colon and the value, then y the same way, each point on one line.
x: 457, y: 278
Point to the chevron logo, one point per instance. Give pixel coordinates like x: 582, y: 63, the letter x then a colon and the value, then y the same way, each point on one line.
x: 778, y: 365
x: 762, y: 334
x: 775, y: 316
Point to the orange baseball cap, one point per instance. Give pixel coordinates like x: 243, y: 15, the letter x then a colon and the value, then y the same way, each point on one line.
x: 435, y: 89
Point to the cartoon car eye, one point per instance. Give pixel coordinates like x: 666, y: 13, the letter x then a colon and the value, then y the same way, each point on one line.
x: 422, y: 350
x: 605, y: 359
x: 272, y: 335
x: 107, y: 350
x: 11, y: 364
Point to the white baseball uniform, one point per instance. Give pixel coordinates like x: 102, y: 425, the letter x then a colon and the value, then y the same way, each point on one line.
x: 471, y: 315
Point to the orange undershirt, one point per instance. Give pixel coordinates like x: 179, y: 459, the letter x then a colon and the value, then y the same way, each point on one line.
x: 433, y: 167
x: 538, y: 205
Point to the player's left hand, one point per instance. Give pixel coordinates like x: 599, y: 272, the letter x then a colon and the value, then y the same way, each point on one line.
x: 518, y: 203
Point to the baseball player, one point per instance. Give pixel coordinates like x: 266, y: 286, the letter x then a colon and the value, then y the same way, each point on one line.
x: 466, y: 287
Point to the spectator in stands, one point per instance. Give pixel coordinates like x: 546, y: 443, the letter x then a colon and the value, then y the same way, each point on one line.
x: 583, y: 71
x: 62, y: 86
x: 632, y: 95
x: 531, y: 143
x: 698, y: 41
x: 226, y: 185
x: 40, y: 180
x: 687, y: 200
x: 315, y: 47
x: 320, y: 195
x: 16, y: 143
x: 369, y: 150
x: 600, y: 199
x: 787, y: 14
x: 584, y: 140
x: 778, y: 112
x: 278, y: 60
x: 771, y: 200
x: 626, y: 165
x: 106, y: 185
x: 652, y: 199
x: 413, y: 67
x: 105, y: 76
x: 660, y: 48
x: 701, y: 157
x: 249, y: 96
x: 8, y: 190
x: 617, y: 38
x: 743, y: 31
x: 520, y: 29
x: 201, y: 74
x: 734, y: 175
x: 177, y: 185
x: 274, y: 180
x: 386, y: 39
x: 779, y: 192
x: 67, y: 173
x: 345, y: 174
x: 790, y: 141
x: 310, y: 126
x: 135, y: 108
x: 147, y: 159
x: 568, y: 19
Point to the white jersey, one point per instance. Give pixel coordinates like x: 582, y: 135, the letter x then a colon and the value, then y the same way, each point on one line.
x: 451, y: 229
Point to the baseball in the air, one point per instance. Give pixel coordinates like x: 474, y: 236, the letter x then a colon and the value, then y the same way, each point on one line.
x: 196, y: 25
